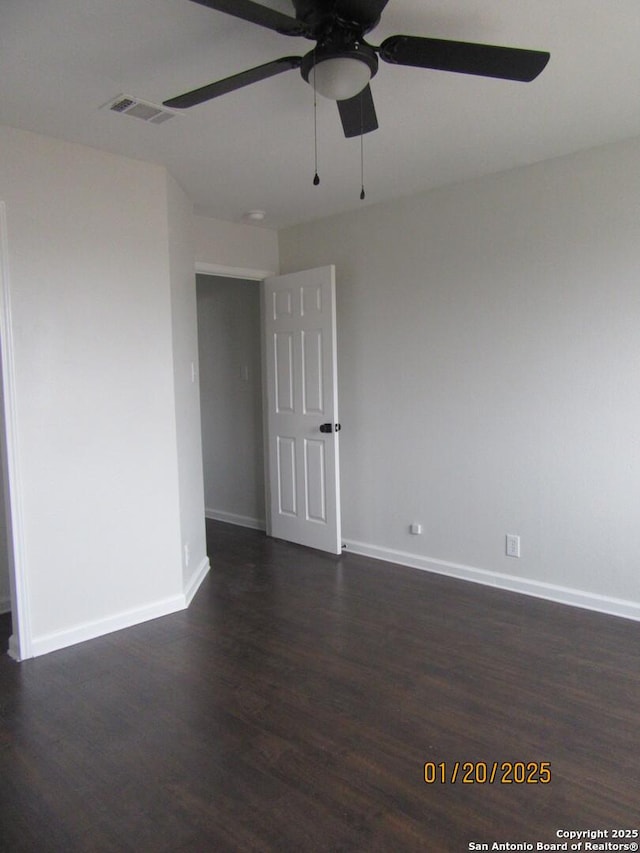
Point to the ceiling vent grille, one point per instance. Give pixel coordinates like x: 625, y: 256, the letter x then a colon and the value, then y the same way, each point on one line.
x: 151, y: 113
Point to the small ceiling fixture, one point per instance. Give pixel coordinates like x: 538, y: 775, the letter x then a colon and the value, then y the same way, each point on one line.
x: 254, y: 215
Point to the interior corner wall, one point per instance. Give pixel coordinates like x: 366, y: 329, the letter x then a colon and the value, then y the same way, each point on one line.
x: 94, y: 387
x: 488, y: 375
x: 231, y: 399
x: 187, y: 394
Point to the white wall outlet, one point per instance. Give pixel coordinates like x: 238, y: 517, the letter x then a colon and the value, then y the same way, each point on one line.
x: 416, y: 529
x: 512, y: 545
x: 186, y: 556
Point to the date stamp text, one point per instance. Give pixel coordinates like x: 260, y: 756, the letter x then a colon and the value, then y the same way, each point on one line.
x: 487, y: 772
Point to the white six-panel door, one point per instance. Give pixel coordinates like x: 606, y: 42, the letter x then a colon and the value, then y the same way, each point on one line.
x: 303, y: 488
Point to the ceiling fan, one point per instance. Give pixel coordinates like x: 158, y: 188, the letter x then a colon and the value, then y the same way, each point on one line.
x: 341, y: 64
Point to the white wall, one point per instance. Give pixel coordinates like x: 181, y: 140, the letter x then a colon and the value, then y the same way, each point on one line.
x: 187, y: 398
x: 234, y: 245
x: 488, y: 369
x: 94, y: 379
x: 229, y: 342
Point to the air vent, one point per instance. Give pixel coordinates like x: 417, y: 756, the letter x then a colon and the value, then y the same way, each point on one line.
x: 128, y: 106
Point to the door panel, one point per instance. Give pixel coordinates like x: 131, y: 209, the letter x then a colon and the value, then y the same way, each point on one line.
x: 303, y: 495
x: 283, y: 352
x: 312, y: 396
x: 287, y: 504
x: 315, y: 472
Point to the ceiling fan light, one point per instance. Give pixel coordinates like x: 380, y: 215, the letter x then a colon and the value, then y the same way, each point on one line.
x: 340, y: 77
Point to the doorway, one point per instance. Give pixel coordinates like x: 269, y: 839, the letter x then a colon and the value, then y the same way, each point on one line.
x: 296, y: 496
x: 229, y: 348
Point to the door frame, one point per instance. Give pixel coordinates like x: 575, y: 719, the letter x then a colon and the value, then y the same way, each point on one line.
x: 20, y: 641
x: 257, y: 275
x: 233, y: 272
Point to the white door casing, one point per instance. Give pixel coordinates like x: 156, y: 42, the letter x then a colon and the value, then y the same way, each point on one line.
x: 20, y: 642
x: 301, y: 395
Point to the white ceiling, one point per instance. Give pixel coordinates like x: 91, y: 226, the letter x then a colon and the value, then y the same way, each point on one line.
x: 61, y: 60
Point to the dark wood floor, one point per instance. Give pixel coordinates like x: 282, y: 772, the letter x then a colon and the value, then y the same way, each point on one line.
x: 293, y: 707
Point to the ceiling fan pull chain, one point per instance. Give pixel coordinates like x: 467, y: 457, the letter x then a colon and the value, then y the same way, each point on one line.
x: 316, y: 179
x: 362, y: 193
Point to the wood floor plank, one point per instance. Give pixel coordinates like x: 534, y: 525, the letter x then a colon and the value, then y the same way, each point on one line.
x: 293, y: 706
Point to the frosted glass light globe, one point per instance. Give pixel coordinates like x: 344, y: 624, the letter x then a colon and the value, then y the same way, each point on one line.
x: 340, y: 78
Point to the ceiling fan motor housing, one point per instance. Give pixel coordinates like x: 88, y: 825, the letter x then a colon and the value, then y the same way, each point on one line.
x: 319, y: 16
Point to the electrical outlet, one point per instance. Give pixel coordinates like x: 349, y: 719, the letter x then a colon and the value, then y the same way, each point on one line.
x: 512, y: 545
x: 416, y: 529
x: 186, y: 556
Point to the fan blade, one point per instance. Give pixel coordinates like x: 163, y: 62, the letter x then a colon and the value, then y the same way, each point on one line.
x: 507, y: 63
x: 358, y: 114
x: 257, y: 14
x: 364, y: 12
x: 229, y: 84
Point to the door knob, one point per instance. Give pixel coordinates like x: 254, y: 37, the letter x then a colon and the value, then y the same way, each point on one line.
x: 330, y: 427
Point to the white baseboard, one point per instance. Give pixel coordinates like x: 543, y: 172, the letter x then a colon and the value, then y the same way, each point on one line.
x: 194, y: 584
x: 233, y: 518
x: 90, y: 630
x: 548, y: 591
x: 5, y: 605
